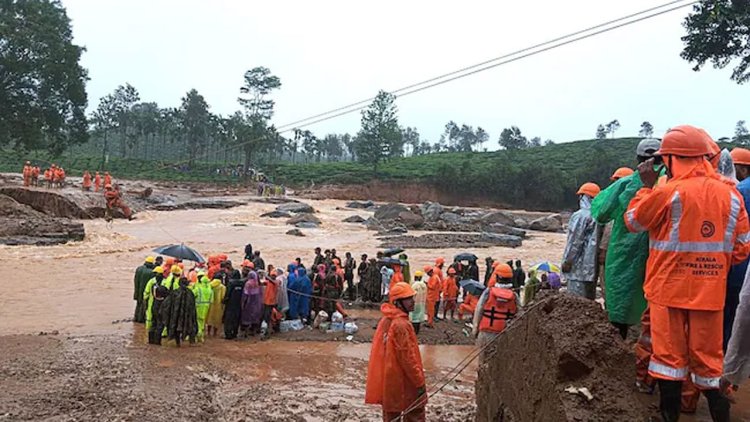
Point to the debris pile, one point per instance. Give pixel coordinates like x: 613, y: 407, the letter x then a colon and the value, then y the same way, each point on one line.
x: 559, y: 361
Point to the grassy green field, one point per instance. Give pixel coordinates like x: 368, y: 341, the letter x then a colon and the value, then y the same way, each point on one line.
x: 544, y: 177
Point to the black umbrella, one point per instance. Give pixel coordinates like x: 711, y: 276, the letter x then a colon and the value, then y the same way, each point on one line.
x: 472, y: 286
x: 466, y: 256
x: 180, y: 252
x: 392, y: 251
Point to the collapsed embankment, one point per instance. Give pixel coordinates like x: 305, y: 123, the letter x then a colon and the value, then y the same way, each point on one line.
x: 561, y: 342
x: 23, y: 225
x: 404, y: 192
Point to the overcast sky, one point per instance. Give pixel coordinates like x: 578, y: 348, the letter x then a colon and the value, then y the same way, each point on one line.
x: 332, y: 53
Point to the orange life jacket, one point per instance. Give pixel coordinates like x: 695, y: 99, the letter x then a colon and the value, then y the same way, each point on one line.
x: 499, y: 307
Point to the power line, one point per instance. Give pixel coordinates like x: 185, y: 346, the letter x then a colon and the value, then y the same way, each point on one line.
x: 476, y: 68
x: 505, y: 56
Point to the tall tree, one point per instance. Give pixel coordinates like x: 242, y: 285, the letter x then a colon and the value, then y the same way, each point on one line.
x: 380, y: 135
x: 258, y: 85
x: 612, y: 127
x: 125, y: 97
x: 647, y: 130
x: 195, y: 121
x: 42, y: 85
x: 719, y: 31
x: 741, y: 134
x: 410, y: 136
x: 601, y: 132
x: 105, y: 121
x: 511, y: 138
x: 535, y: 142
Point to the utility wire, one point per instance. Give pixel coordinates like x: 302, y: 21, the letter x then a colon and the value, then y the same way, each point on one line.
x: 477, y: 68
x: 505, y: 56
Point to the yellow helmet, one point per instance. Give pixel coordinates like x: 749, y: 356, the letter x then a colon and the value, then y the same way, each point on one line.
x: 418, y: 274
x: 159, y: 270
x: 176, y: 270
x: 150, y: 259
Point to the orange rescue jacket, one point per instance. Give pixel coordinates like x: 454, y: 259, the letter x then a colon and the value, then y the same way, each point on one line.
x: 498, y: 309
x: 698, y: 227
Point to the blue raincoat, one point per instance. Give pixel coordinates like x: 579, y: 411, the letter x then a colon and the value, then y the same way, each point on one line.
x: 736, y: 277
x: 299, y: 305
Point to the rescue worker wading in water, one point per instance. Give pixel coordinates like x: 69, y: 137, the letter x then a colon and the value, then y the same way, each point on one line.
x: 496, y: 306
x: 395, y: 377
x: 698, y: 227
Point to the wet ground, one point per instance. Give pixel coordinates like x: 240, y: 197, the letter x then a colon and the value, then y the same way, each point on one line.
x: 94, y: 365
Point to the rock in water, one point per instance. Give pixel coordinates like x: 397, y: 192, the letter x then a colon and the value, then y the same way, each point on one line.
x: 354, y: 219
x: 550, y: 223
x: 295, y: 232
x: 431, y: 211
x: 304, y: 218
x: 501, y: 217
x: 390, y: 212
x: 360, y: 205
x: 503, y: 229
x: 450, y: 217
x: 296, y: 208
x: 277, y: 214
x: 575, y: 345
x: 307, y: 225
x: 410, y: 219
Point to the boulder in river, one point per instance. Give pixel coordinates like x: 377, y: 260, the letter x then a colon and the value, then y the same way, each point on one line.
x: 360, y: 205
x: 295, y: 232
x: 390, y: 212
x: 431, y: 211
x: 277, y: 214
x: 450, y: 217
x: 304, y: 218
x: 550, y: 223
x: 501, y: 217
x: 354, y: 219
x: 307, y: 225
x: 296, y: 208
x: 503, y: 229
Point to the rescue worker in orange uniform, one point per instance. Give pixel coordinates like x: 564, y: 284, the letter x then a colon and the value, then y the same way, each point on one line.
x: 698, y: 227
x: 450, y: 294
x: 468, y: 306
x: 395, y: 377
x: 49, y: 176
x: 398, y: 274
x: 86, y: 181
x: 107, y: 178
x: 98, y: 183
x: 115, y: 201
x: 27, y: 174
x: 439, y: 264
x: 433, y: 295
x: 35, y: 175
x: 60, y: 177
x: 496, y: 306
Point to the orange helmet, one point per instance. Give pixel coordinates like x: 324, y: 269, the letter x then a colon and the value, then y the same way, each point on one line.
x: 504, y: 271
x: 621, y: 172
x: 741, y: 156
x: 247, y: 264
x: 400, y: 290
x: 427, y: 268
x: 590, y: 189
x: 440, y: 261
x: 687, y: 141
x: 451, y: 271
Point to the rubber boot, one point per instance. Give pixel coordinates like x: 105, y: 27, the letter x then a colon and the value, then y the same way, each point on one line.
x: 718, y: 405
x: 670, y: 395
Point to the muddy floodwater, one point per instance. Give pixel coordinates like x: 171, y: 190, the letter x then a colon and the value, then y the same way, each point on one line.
x: 68, y: 350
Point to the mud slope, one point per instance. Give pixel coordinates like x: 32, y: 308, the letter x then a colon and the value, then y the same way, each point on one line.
x: 560, y: 342
x: 22, y: 225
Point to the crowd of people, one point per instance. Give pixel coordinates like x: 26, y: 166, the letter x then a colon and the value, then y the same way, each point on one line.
x: 54, y: 176
x: 669, y: 244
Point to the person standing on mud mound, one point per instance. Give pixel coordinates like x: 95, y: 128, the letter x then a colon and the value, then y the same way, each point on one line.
x: 179, y: 316
x: 259, y: 263
x: 318, y: 260
x: 143, y: 274
x: 450, y: 295
x: 395, y: 376
x: 349, y: 266
x: 496, y: 306
x: 579, y: 258
x: 97, y: 182
x: 433, y: 295
x: 698, y: 227
x: 370, y: 283
x: 420, y: 301
x: 86, y: 185
x: 233, y: 308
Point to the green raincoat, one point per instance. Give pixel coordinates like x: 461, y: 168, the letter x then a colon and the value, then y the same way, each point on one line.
x: 625, y: 267
x: 204, y: 295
